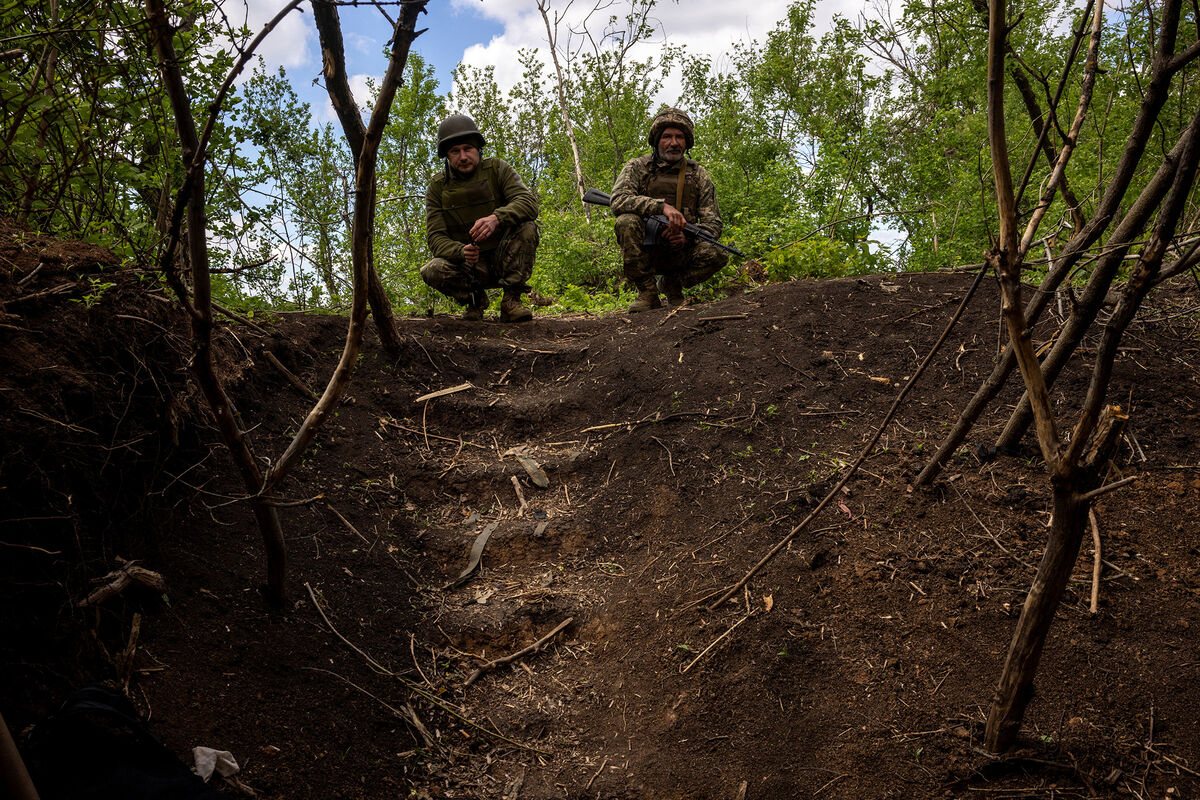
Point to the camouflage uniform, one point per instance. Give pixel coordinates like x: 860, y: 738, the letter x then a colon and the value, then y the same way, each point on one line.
x: 645, y: 185
x: 455, y: 202
x: 452, y: 205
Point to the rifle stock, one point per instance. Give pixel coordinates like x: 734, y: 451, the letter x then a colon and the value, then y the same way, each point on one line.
x: 596, y: 198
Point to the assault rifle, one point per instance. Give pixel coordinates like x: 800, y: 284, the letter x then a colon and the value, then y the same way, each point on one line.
x: 657, y: 223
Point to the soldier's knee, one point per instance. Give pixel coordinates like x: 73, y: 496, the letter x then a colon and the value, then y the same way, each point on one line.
x: 436, y: 272
x: 710, y: 256
x: 706, y: 261
x: 528, y: 234
x: 629, y: 225
x: 630, y: 230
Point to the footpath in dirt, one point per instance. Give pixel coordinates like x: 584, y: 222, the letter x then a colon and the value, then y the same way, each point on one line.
x: 624, y: 470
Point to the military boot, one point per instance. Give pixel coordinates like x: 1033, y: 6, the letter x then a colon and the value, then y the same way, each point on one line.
x: 647, y: 298
x: 475, y: 308
x: 672, y: 288
x: 512, y: 309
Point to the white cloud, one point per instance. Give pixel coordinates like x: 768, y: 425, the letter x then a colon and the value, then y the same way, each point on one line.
x: 704, y: 27
x: 363, y: 94
x: 290, y: 44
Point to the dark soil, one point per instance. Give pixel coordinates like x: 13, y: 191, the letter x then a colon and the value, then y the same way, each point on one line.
x: 678, y: 447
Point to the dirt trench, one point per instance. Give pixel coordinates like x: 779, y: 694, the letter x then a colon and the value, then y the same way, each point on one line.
x: 677, y: 448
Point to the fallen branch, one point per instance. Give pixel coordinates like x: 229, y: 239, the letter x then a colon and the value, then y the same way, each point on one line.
x: 346, y: 522
x: 291, y: 377
x: 520, y: 496
x: 595, y: 775
x: 722, y: 317
x: 412, y: 686
x: 254, y: 326
x: 375, y: 665
x: 119, y: 580
x: 647, y: 420
x: 670, y: 460
x: 393, y: 424
x: 62, y: 288
x: 533, y: 648
x: 670, y: 314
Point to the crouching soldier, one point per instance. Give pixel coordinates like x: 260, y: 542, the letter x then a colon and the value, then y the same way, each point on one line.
x: 480, y: 224
x: 669, y: 183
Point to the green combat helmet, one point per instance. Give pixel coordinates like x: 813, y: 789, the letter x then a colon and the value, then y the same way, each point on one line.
x: 455, y: 129
x: 671, y: 118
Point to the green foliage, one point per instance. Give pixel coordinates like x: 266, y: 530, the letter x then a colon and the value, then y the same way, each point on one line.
x: 407, y: 155
x: 575, y: 252
x: 862, y: 148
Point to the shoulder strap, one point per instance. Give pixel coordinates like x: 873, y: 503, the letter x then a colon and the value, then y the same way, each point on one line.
x: 679, y: 185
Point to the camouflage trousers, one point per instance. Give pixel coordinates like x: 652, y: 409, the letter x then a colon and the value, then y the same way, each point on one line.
x: 508, y: 266
x: 693, y: 263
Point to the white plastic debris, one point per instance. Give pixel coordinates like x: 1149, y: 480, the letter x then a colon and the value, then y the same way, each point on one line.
x: 209, y: 761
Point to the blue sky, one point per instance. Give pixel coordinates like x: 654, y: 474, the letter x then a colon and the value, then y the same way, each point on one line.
x: 452, y: 28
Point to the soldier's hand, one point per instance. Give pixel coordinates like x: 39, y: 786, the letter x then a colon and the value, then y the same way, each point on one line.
x: 484, y: 228
x: 471, y: 254
x: 675, y: 222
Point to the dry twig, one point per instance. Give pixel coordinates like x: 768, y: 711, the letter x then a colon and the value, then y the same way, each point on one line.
x: 1095, y: 606
x: 391, y: 423
x: 596, y: 774
x: 443, y: 392
x: 520, y: 496
x: 715, y: 642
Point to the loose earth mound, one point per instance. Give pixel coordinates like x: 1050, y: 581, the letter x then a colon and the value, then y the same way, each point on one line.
x: 676, y: 449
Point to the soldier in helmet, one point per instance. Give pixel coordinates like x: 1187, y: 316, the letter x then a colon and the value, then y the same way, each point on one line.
x: 480, y: 224
x: 666, y: 182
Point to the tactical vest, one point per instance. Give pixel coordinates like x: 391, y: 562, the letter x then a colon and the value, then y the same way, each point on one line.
x: 663, y: 184
x: 466, y: 201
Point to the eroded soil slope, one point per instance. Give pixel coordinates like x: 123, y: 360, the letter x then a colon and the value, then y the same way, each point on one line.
x: 677, y: 448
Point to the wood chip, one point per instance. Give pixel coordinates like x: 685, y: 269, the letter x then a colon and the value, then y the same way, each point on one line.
x: 535, y: 471
x: 476, y: 556
x: 443, y: 392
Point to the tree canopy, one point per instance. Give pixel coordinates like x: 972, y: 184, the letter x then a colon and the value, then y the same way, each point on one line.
x: 859, y: 148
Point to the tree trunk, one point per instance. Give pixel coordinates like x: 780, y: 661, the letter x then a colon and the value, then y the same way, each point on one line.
x: 1016, y: 681
x: 362, y: 242
x: 200, y: 309
x: 1070, y: 256
x: 333, y: 56
x: 552, y: 40
x: 1084, y: 313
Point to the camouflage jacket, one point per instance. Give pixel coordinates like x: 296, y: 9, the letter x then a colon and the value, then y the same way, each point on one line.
x: 453, y: 204
x: 647, y: 183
